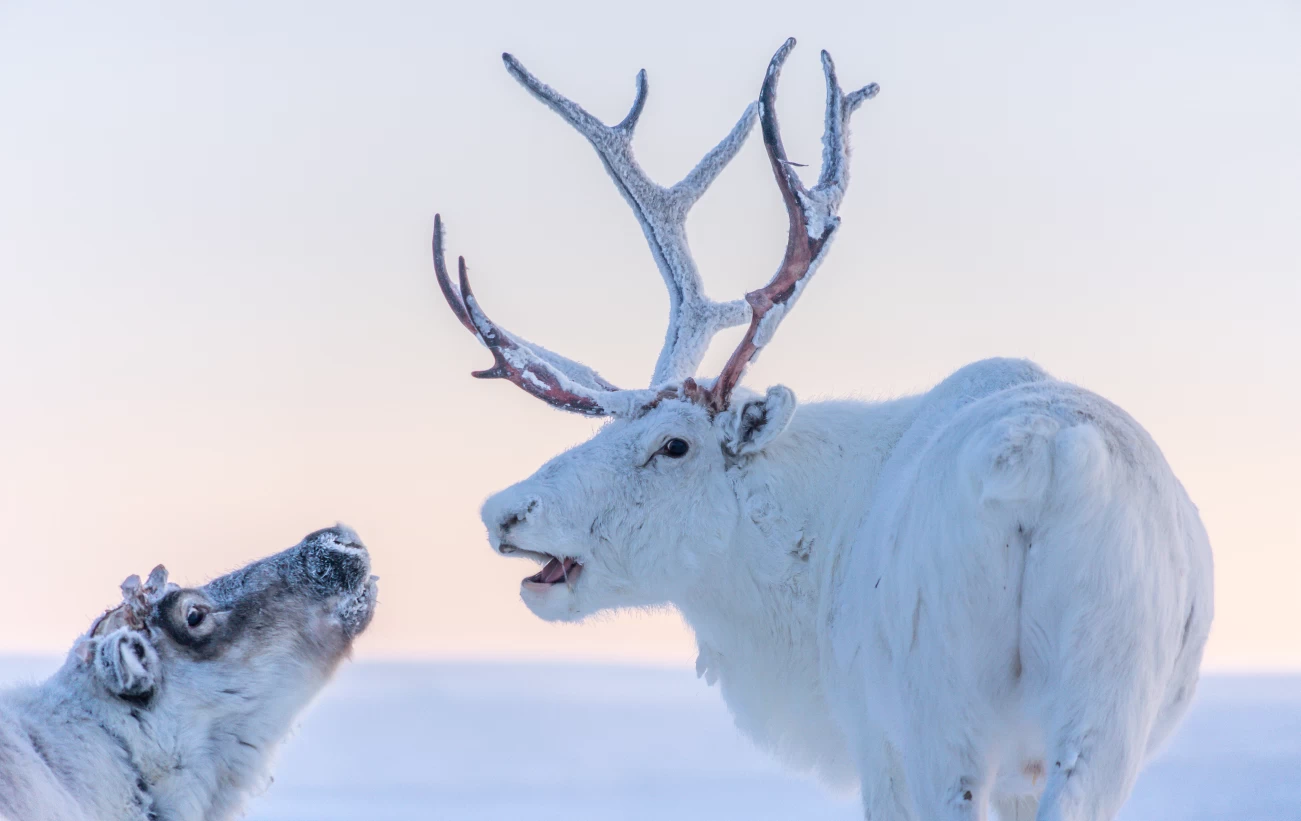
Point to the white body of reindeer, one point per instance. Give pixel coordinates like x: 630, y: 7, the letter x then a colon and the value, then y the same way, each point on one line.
x: 992, y: 594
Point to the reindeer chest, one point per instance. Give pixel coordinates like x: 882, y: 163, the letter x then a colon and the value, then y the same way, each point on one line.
x: 776, y: 700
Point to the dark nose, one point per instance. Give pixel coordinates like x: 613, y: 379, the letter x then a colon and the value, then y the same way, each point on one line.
x: 340, y: 535
x: 505, y: 512
x: 336, y: 559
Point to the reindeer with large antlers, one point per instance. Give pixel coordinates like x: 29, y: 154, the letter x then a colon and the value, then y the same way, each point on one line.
x: 994, y: 593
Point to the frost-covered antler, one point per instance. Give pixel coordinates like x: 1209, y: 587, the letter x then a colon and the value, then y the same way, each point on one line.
x: 694, y: 319
x: 554, y: 379
x: 662, y: 212
x: 813, y: 220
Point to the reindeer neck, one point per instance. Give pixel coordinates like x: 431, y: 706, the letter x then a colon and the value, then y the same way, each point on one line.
x: 754, y: 611
x: 69, y: 732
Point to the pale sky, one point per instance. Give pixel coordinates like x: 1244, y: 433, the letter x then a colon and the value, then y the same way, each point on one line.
x: 221, y: 328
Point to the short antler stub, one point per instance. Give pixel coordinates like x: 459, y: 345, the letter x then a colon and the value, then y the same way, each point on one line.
x: 138, y: 599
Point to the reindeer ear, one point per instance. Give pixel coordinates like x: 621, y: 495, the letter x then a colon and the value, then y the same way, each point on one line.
x: 125, y: 663
x: 749, y: 426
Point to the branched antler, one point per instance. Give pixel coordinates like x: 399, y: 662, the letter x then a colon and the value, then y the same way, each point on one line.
x: 694, y: 319
x: 813, y: 219
x: 554, y: 379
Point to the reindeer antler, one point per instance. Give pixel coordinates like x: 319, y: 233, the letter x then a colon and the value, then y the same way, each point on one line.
x: 556, y: 380
x: 137, y: 601
x: 813, y: 219
x: 662, y: 212
x: 694, y: 319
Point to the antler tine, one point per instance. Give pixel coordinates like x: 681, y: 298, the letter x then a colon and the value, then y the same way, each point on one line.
x: 813, y: 219
x: 554, y: 379
x: 694, y: 319
x: 450, y: 293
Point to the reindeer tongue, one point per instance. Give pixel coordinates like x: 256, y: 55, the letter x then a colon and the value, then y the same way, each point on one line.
x: 554, y: 572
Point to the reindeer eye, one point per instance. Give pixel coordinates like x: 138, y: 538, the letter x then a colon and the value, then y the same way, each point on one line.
x: 195, y: 617
x: 676, y: 448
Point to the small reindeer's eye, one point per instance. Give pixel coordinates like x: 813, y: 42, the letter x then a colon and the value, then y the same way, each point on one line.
x: 195, y: 617
x: 675, y: 448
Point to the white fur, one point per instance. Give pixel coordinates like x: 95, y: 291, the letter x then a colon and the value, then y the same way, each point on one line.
x: 996, y: 591
x: 135, y: 728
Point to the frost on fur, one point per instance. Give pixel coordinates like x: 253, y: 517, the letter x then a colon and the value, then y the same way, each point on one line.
x: 993, y: 594
x: 173, y: 702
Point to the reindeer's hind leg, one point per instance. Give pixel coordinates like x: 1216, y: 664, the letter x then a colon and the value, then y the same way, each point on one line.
x: 1095, y: 759
x: 1099, y: 682
x: 1100, y: 708
x: 1100, y: 691
x: 1101, y: 619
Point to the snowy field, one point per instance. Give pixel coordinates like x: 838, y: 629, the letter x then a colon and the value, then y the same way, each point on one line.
x: 472, y: 742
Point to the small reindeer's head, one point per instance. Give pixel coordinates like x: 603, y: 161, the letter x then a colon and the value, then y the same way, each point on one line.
x: 218, y: 672
x: 625, y: 518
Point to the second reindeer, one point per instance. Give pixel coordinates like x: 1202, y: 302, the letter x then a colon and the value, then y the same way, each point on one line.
x: 995, y: 593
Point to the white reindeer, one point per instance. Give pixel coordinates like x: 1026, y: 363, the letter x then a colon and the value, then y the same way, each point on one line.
x: 995, y: 592
x: 170, y: 707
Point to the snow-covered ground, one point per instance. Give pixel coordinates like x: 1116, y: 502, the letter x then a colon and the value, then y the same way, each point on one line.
x: 472, y: 742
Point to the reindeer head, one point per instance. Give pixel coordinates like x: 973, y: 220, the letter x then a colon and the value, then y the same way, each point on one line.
x: 218, y: 672
x: 624, y: 519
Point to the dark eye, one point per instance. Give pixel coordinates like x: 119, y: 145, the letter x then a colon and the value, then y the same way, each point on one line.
x: 195, y: 617
x: 675, y: 448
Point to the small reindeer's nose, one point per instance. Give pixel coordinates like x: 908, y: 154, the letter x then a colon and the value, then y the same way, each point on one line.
x: 339, y: 536
x: 336, y: 558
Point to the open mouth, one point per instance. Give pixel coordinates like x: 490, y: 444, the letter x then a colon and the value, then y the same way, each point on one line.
x: 554, y: 571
